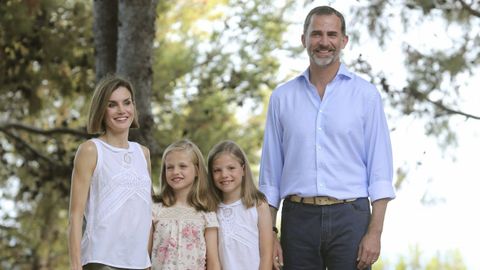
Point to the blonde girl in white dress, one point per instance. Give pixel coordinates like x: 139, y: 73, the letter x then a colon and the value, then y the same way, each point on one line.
x: 245, y: 235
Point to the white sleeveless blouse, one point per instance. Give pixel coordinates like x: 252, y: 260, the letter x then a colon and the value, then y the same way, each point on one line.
x: 118, y: 209
x: 239, y: 247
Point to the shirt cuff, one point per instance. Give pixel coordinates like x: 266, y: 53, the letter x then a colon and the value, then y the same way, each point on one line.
x: 272, y: 194
x: 381, y: 189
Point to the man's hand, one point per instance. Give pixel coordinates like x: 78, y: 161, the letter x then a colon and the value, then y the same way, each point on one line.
x: 369, y: 248
x: 277, y: 254
x: 368, y: 251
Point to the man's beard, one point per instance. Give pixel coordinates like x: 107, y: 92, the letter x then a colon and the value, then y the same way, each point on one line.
x: 322, y: 61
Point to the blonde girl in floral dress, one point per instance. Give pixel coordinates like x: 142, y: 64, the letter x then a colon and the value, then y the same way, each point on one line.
x: 184, y: 232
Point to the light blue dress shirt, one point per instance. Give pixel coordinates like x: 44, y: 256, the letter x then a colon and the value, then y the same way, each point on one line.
x: 338, y: 146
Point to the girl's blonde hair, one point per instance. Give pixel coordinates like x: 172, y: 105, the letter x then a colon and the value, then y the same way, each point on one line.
x: 251, y: 196
x: 199, y: 196
x: 98, y: 105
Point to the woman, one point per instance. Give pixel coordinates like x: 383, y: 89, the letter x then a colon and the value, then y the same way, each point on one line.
x: 111, y: 186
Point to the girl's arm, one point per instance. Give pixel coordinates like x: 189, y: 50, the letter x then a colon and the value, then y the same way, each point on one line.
x: 150, y: 242
x: 265, y: 236
x: 83, y: 167
x: 146, y: 152
x: 211, y: 239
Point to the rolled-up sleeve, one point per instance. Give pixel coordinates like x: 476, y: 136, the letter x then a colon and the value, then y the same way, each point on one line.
x: 379, y: 161
x: 272, y: 159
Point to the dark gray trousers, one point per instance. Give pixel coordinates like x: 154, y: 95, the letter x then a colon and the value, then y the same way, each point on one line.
x: 317, y: 237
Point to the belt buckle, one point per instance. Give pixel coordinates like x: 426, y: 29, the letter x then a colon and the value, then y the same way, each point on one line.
x: 325, y: 201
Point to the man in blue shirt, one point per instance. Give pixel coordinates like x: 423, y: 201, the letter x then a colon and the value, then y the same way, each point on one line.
x: 327, y: 154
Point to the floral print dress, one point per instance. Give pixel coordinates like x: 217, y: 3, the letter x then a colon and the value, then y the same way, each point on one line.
x: 178, y: 237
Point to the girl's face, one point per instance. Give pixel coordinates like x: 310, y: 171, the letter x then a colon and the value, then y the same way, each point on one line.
x: 180, y: 171
x: 228, y: 174
x: 120, y: 110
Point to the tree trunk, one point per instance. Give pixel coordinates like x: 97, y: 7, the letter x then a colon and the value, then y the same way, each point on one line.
x: 105, y: 20
x: 136, y: 32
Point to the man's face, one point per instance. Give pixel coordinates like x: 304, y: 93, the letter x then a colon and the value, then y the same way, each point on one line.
x: 324, y: 40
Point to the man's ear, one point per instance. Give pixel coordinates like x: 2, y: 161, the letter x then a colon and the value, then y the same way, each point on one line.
x: 345, y: 41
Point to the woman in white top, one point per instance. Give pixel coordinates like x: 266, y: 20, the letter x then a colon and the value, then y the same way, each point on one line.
x: 111, y: 186
x: 245, y: 234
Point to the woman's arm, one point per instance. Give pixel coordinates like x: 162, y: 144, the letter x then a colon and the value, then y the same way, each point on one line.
x: 83, y: 167
x: 265, y: 235
x: 211, y: 239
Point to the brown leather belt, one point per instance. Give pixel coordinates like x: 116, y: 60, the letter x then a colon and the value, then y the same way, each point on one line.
x: 319, y: 200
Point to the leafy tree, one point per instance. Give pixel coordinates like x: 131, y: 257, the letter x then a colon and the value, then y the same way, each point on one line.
x: 435, y: 76
x: 228, y: 65
x: 46, y: 63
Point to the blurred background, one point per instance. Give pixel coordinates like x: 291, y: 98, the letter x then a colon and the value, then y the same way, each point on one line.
x: 204, y: 70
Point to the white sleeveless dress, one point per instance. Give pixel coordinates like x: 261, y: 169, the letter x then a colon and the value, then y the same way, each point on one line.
x: 118, y: 209
x: 238, y: 236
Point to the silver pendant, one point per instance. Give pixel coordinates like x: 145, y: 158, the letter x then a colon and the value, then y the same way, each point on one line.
x: 127, y: 158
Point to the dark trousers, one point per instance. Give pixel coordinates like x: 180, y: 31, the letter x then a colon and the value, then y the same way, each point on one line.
x: 323, y: 237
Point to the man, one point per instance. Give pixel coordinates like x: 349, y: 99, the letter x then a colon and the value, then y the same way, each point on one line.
x: 327, y: 153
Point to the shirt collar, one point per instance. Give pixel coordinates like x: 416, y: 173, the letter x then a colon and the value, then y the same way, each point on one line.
x: 342, y: 73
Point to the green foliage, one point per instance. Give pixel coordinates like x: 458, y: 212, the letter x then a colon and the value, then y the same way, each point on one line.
x: 435, y: 77
x: 452, y: 260
x: 219, y: 60
x: 416, y: 260
x: 46, y: 67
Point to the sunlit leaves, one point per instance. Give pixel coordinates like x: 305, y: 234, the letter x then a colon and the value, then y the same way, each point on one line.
x: 417, y: 259
x: 436, y: 73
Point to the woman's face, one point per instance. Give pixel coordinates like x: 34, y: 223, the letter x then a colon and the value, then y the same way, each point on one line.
x: 120, y: 111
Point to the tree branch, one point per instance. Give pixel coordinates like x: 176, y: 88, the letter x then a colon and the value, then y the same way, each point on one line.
x: 440, y: 105
x: 54, y: 167
x: 5, y: 228
x: 469, y: 8
x: 419, y: 95
x: 45, y: 132
x: 24, y: 144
